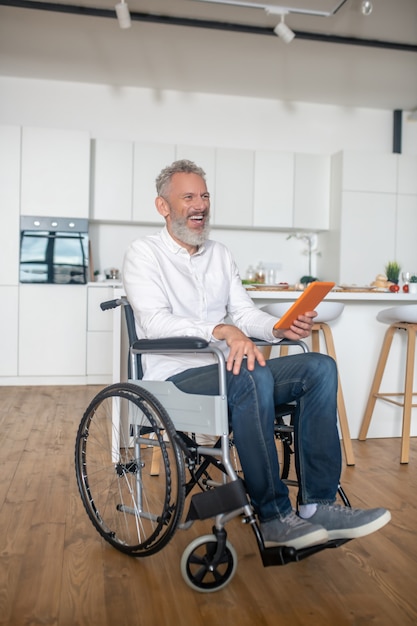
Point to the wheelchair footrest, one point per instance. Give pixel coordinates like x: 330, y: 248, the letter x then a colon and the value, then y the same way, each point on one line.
x: 281, y: 555
x: 223, y: 499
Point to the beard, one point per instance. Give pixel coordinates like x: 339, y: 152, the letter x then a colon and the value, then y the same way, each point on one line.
x: 192, y: 238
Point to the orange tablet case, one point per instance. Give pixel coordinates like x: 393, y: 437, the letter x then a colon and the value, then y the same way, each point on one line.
x: 308, y: 301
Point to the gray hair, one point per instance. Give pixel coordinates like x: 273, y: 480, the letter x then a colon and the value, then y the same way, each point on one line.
x: 163, y: 180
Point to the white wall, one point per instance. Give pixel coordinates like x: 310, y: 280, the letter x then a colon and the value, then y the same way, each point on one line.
x: 168, y: 116
x: 199, y: 119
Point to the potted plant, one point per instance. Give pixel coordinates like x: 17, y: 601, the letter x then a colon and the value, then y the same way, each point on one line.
x: 412, y: 287
x: 392, y: 271
x: 306, y: 280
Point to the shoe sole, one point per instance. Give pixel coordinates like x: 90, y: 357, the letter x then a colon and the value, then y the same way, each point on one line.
x: 311, y: 539
x: 360, y: 531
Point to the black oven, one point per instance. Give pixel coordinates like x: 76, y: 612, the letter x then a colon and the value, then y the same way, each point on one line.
x: 53, y: 250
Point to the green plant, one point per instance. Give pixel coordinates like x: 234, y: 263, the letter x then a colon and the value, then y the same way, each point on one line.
x: 413, y: 279
x: 305, y: 280
x: 392, y: 271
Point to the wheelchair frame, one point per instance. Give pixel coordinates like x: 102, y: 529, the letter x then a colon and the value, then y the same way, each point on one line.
x: 137, y: 507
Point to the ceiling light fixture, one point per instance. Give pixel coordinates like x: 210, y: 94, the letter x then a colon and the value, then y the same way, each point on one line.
x: 123, y: 14
x: 260, y: 4
x: 366, y: 7
x: 283, y: 31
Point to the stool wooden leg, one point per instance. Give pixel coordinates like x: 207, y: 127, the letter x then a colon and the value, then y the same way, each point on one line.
x: 408, y: 394
x: 283, y: 350
x: 376, y: 382
x: 266, y: 351
x: 341, y: 408
x: 315, y: 337
x: 156, y: 458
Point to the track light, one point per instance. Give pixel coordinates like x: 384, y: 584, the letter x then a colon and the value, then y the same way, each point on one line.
x: 123, y: 15
x: 283, y: 31
x: 366, y: 7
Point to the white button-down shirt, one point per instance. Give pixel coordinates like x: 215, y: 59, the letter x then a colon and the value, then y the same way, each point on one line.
x: 177, y: 294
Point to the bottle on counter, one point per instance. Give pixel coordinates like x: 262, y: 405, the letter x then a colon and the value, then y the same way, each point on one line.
x: 250, y: 274
x: 260, y: 274
x: 270, y: 279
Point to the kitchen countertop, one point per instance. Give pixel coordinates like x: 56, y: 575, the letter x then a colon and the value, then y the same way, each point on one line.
x: 105, y: 283
x: 340, y: 295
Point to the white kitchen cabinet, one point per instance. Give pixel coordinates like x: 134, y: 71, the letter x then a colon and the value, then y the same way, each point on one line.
x: 148, y: 160
x: 405, y: 233
x: 273, y: 189
x: 55, y: 172
x: 407, y: 174
x: 204, y: 157
x: 291, y: 190
x: 99, y: 332
x: 98, y: 320
x: 371, y: 223
x: 99, y: 357
x: 9, y: 204
x: 233, y: 196
x: 311, y: 192
x: 9, y: 297
x: 111, y: 180
x: 367, y: 235
x: 52, y: 330
x: 364, y: 171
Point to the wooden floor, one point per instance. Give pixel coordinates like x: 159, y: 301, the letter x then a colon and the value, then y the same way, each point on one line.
x: 55, y: 570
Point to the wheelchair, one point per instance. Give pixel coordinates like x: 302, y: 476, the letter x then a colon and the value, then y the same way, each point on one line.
x: 141, y: 453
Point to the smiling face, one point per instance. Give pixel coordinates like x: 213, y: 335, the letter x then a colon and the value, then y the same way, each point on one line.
x: 186, y: 209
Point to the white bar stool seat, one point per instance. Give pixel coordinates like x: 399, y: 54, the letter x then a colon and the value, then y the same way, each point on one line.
x: 326, y: 312
x: 399, y: 318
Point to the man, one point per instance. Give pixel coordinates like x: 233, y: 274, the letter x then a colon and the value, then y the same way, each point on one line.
x: 180, y: 283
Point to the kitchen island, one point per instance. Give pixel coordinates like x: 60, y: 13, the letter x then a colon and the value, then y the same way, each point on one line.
x: 358, y: 339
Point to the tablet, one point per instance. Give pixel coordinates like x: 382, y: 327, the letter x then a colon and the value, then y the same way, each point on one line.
x: 309, y: 299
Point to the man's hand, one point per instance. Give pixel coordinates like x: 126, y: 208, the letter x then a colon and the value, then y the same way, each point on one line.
x: 241, y: 347
x: 300, y: 329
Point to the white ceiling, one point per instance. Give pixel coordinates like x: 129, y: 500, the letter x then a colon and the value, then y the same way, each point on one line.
x: 83, y: 48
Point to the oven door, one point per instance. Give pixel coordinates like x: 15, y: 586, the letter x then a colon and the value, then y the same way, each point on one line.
x: 53, y: 256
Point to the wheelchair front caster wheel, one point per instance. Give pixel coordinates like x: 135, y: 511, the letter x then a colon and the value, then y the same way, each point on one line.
x: 202, y: 569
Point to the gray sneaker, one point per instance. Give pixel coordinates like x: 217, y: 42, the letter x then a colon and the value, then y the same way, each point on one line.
x: 292, y: 531
x: 342, y: 522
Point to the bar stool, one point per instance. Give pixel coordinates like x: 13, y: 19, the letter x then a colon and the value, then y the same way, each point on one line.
x: 399, y: 318
x: 326, y: 312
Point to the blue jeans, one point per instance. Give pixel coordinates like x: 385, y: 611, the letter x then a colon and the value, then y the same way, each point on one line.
x: 311, y: 380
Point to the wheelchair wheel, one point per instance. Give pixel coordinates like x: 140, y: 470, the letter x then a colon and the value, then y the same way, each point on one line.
x: 202, y: 569
x: 134, y: 505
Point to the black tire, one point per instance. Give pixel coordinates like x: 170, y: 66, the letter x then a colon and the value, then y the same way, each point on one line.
x: 136, y: 511
x: 202, y: 570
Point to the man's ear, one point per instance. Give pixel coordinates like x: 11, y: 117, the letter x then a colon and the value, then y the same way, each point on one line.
x: 162, y: 206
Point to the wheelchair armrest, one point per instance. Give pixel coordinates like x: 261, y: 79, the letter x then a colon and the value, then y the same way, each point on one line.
x: 170, y: 344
